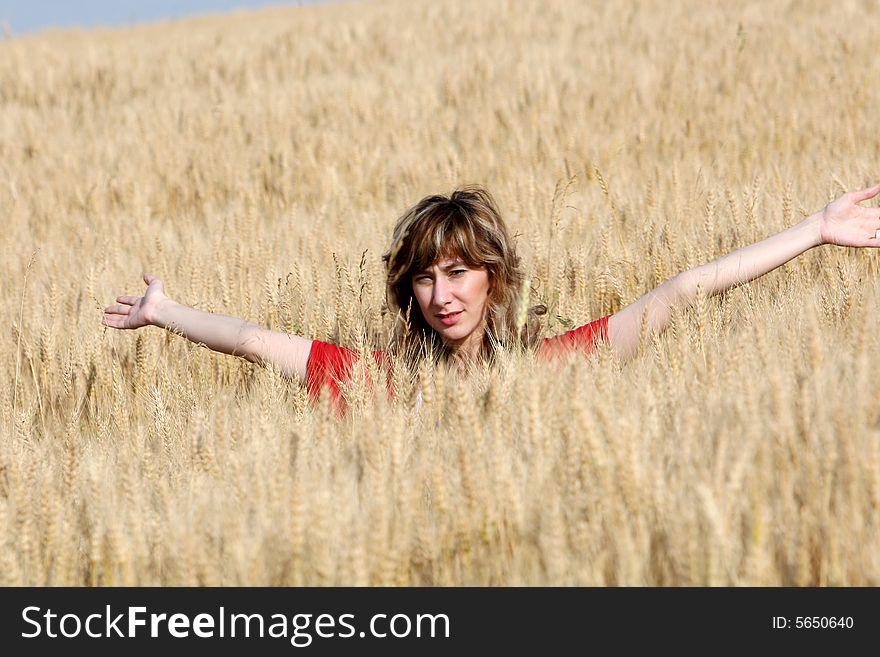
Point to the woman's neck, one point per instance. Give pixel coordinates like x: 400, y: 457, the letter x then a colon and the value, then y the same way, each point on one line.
x: 466, y: 354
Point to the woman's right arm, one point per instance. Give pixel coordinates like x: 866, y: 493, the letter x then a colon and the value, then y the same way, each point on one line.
x: 228, y: 335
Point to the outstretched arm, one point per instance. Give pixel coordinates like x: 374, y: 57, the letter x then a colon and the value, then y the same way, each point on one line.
x: 843, y: 222
x: 228, y: 335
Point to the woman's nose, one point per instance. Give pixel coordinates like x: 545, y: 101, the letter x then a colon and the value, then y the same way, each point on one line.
x: 442, y: 293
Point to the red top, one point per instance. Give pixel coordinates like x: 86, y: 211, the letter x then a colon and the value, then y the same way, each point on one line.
x: 330, y: 364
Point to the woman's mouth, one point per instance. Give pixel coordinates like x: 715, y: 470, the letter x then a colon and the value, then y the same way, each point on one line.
x: 450, y: 319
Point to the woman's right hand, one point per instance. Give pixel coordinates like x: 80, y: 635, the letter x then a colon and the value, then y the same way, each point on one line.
x: 134, y: 312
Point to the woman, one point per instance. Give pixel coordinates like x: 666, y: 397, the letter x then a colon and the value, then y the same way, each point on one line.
x: 455, y: 282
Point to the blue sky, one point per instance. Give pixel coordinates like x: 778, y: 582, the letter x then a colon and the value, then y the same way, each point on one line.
x: 23, y: 16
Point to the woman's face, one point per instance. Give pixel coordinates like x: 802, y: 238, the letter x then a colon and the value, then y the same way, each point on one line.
x: 453, y: 299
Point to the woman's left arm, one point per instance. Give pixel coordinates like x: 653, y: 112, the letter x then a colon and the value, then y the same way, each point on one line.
x: 842, y: 222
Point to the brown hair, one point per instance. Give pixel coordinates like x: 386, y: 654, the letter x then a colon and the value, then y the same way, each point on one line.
x: 466, y: 224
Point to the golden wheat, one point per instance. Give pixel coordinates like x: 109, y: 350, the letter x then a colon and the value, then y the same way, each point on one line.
x: 257, y: 165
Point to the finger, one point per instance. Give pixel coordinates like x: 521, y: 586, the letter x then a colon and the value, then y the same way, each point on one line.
x: 865, y: 194
x: 127, y: 300
x: 117, y: 310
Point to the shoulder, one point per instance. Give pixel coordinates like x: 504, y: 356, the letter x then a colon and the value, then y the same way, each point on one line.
x: 330, y: 360
x: 327, y: 354
x: 329, y: 366
x: 583, y: 338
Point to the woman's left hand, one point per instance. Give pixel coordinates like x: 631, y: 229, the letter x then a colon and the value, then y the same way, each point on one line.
x: 846, y: 223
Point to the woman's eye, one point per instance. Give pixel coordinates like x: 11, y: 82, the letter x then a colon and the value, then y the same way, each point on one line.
x: 454, y: 272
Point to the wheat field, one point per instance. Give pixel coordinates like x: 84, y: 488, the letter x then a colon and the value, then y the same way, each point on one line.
x: 257, y: 161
